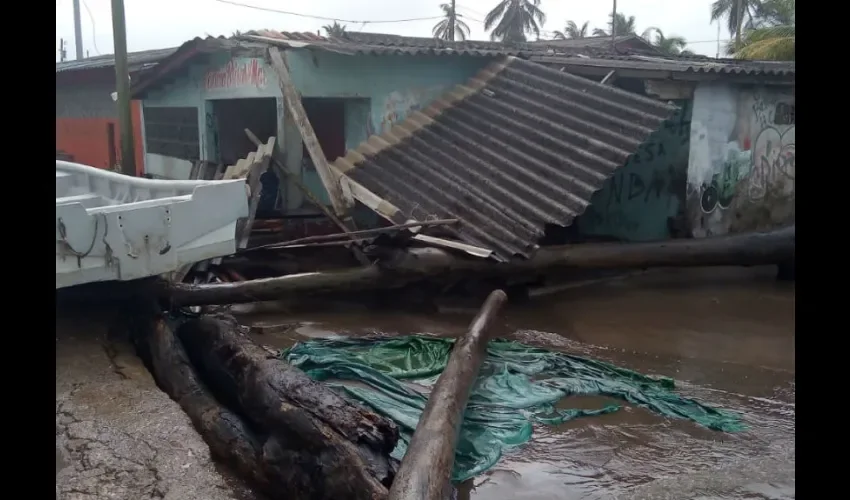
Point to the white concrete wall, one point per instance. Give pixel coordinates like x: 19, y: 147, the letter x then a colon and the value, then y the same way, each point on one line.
x: 742, y: 159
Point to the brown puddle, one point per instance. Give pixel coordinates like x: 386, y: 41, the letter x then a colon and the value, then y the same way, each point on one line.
x: 725, y: 335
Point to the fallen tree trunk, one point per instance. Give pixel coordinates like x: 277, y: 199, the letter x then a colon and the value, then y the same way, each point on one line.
x: 427, y: 465
x: 228, y: 437
x: 746, y: 249
x: 333, y: 448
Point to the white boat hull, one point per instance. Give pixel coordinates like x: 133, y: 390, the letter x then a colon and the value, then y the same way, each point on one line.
x: 113, y: 227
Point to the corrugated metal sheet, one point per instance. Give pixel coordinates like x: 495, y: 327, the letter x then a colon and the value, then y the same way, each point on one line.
x: 135, y: 60
x: 674, y: 64
x: 381, y: 44
x: 518, y: 147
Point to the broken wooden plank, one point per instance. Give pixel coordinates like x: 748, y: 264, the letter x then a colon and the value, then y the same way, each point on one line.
x: 358, y: 235
x: 259, y: 165
x: 283, y: 173
x: 293, y: 104
x: 426, y: 468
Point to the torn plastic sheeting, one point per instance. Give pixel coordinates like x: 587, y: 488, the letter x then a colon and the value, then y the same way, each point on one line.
x: 518, y: 385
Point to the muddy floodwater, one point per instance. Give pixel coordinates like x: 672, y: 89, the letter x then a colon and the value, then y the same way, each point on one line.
x: 725, y: 335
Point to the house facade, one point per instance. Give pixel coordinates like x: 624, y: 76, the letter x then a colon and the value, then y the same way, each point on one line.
x: 87, y: 128
x: 197, y: 103
x: 724, y: 164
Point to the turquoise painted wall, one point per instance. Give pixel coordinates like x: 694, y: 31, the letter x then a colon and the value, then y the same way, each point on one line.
x: 635, y: 204
x: 387, y: 89
x: 384, y: 90
x: 394, y: 84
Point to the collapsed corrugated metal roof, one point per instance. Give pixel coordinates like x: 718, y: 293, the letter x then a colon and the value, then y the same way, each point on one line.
x: 136, y: 61
x: 518, y: 147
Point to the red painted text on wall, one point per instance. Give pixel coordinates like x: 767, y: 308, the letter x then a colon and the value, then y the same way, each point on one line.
x: 245, y: 73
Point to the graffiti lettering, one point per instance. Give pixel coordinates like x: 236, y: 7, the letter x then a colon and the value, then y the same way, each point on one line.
x: 639, y: 188
x: 768, y: 169
x: 680, y: 126
x: 773, y: 162
x: 250, y: 73
x: 649, y: 152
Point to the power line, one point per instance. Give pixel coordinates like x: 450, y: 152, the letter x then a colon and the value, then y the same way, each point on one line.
x: 93, y: 32
x: 476, y: 12
x: 467, y: 16
x: 323, y: 18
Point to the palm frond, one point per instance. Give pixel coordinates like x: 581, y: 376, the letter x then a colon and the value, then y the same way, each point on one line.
x: 774, y: 43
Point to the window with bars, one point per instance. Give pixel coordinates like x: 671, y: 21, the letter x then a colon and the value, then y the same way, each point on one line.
x: 784, y: 114
x: 172, y: 131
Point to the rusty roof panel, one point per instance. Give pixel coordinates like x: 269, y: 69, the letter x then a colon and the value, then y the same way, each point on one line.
x: 517, y: 147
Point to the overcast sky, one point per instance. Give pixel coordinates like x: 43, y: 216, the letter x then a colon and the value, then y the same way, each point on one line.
x: 153, y: 24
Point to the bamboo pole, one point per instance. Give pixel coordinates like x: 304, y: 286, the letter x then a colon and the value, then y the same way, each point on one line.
x: 426, y: 468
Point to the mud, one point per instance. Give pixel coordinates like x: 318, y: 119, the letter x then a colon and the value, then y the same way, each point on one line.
x: 725, y: 335
x: 117, y: 435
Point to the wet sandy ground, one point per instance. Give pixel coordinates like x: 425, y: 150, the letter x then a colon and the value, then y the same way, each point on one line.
x: 725, y: 335
x: 117, y: 435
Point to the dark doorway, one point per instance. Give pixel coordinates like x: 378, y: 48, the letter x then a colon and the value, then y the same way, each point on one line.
x: 328, y: 119
x: 233, y: 116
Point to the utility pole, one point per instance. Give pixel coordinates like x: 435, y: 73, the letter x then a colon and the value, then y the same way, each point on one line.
x: 78, y: 30
x: 614, y: 27
x: 452, y: 21
x: 122, y: 86
x: 739, y: 6
x: 62, y: 52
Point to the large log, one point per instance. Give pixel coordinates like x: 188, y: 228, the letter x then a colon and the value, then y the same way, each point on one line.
x: 337, y: 448
x: 746, y: 249
x: 427, y: 465
x: 229, y: 439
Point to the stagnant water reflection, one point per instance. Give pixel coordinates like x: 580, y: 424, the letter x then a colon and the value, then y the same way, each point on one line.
x: 725, y: 335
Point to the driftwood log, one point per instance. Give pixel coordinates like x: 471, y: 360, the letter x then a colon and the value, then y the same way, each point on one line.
x: 745, y: 249
x: 290, y: 436
x: 229, y: 439
x: 427, y: 465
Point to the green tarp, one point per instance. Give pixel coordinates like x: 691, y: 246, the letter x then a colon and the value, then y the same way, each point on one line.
x: 518, y: 386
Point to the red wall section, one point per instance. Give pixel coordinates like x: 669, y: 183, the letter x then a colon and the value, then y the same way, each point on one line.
x: 87, y: 139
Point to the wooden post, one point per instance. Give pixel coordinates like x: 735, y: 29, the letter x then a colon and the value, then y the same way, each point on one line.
x: 293, y: 105
x: 427, y: 466
x: 122, y: 87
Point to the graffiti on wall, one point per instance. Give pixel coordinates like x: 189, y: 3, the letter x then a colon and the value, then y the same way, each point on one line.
x: 237, y: 73
x: 747, y: 181
x: 637, y: 202
x: 401, y: 103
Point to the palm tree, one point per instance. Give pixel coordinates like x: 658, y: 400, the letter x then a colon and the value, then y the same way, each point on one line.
x: 572, y: 31
x: 334, y: 30
x: 625, y: 26
x: 510, y: 20
x: 451, y: 27
x: 727, y: 9
x: 671, y: 46
x: 773, y: 38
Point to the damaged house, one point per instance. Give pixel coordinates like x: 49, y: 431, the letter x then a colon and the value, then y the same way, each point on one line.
x: 517, y: 142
